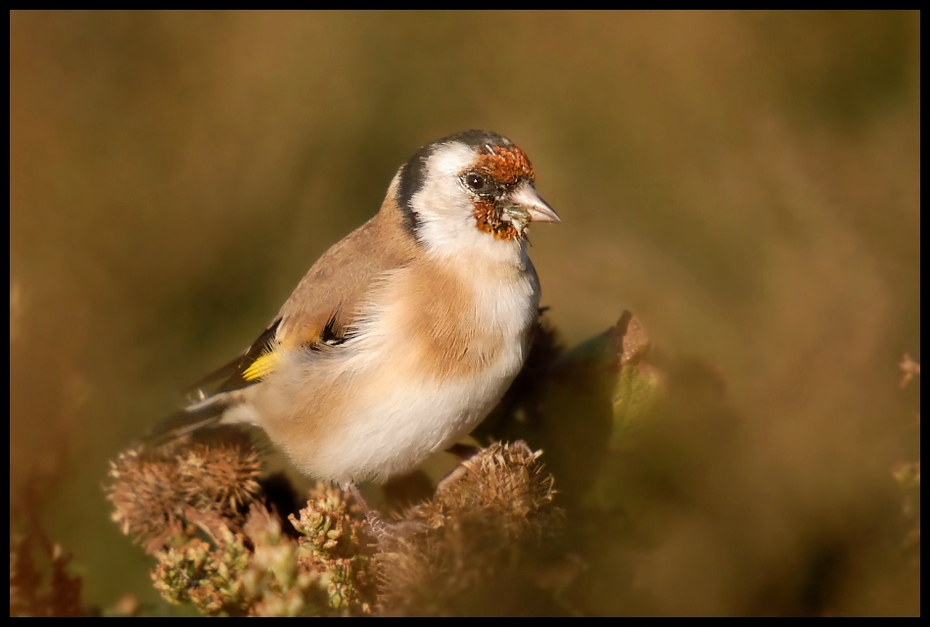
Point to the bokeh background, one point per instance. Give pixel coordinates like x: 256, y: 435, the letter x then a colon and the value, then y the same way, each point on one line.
x: 746, y: 183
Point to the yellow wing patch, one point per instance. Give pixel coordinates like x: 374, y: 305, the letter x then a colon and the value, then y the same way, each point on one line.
x: 263, y: 366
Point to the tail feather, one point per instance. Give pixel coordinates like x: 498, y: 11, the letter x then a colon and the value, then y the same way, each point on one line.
x: 205, y: 413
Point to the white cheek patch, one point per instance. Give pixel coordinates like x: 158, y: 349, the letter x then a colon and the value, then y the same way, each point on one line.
x: 446, y: 212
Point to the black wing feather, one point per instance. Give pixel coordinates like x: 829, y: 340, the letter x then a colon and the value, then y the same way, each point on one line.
x: 231, y: 373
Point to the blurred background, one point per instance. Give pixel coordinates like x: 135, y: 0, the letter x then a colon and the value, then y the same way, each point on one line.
x: 746, y: 183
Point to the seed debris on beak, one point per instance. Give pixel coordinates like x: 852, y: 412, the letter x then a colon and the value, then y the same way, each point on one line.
x: 526, y: 203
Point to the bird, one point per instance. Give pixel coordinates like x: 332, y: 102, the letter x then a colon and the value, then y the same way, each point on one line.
x: 404, y: 335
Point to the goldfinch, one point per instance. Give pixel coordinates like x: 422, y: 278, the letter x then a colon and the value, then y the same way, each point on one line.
x: 405, y: 334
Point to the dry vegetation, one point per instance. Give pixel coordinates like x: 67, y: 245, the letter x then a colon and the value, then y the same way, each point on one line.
x: 229, y: 549
x: 748, y: 184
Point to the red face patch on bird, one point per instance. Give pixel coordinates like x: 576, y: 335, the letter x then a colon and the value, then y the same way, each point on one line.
x: 488, y: 219
x: 498, y: 169
x: 506, y: 165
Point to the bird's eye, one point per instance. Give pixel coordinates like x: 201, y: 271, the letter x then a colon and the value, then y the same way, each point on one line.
x: 475, y: 181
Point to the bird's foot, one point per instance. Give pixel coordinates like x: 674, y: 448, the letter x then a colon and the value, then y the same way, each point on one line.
x: 379, y: 528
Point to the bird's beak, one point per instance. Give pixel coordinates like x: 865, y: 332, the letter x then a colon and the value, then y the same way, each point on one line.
x: 529, y: 200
